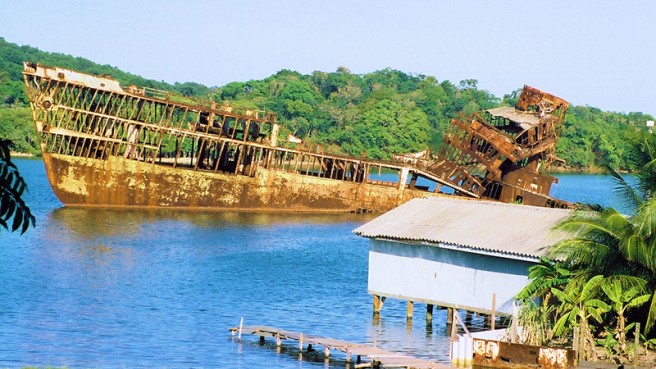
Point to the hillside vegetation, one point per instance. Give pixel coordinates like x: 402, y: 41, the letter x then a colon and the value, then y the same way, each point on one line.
x: 376, y: 114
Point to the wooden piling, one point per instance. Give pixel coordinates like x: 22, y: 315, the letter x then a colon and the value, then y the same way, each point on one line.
x: 378, y: 303
x: 429, y: 313
x: 454, y: 322
x: 493, y: 317
x: 409, y: 310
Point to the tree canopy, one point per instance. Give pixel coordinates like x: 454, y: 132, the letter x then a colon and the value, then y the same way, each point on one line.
x: 379, y: 114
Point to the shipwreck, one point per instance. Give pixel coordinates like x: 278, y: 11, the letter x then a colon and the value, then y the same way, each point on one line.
x: 104, y: 144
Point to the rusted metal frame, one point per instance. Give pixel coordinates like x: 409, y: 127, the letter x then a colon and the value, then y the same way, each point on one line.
x: 322, y: 171
x: 501, y: 142
x: 117, y: 124
x: 31, y: 96
x: 296, y: 162
x: 488, y: 163
x: 282, y: 157
x: 86, y: 121
x: 256, y: 163
x: 108, y: 106
x: 142, y: 137
x: 179, y: 149
x: 201, y: 147
x: 247, y: 128
x: 77, y: 96
x: 130, y: 108
x: 160, y: 130
x: 475, y: 183
x: 243, y: 153
x: 285, y: 160
x: 199, y: 107
x: 222, y: 124
x: 55, y: 94
x: 165, y: 123
x: 58, y: 119
x: 234, y: 129
x: 68, y: 95
x: 150, y: 126
x: 291, y: 156
x: 149, y: 133
x: 69, y: 150
x: 95, y: 122
x: 210, y: 122
x: 332, y: 168
x: 220, y: 155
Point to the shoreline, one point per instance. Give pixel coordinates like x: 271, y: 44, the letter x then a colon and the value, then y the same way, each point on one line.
x: 16, y: 154
x: 551, y: 171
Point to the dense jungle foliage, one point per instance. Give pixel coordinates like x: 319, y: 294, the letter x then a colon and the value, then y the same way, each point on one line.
x: 376, y: 114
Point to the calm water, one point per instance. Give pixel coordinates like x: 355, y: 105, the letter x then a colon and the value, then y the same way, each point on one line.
x: 110, y: 288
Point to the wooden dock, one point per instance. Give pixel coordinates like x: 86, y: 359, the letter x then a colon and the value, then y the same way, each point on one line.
x: 377, y: 357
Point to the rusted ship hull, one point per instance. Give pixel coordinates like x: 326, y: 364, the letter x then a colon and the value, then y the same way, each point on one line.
x: 119, y: 182
x: 105, y: 145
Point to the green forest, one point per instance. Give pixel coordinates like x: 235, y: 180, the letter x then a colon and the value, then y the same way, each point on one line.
x: 377, y: 114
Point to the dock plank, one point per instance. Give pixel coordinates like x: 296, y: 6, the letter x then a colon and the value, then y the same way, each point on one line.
x: 374, y: 354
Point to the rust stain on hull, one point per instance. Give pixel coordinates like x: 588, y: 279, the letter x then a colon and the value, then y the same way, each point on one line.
x: 127, y: 183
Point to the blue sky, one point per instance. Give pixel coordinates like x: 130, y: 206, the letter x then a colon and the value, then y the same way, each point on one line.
x: 597, y: 53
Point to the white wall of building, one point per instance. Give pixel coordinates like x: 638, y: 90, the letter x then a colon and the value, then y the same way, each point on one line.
x: 445, y: 277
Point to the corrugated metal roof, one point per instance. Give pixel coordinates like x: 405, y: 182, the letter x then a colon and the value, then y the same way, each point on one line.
x: 524, y: 119
x: 483, y: 226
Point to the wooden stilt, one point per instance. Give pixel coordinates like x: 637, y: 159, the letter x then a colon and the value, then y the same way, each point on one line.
x: 300, y: 342
x: 409, y: 310
x: 378, y: 303
x: 449, y: 315
x: 454, y: 323
x: 493, y: 317
x: 429, y: 313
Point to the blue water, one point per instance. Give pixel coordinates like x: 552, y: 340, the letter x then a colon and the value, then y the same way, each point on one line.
x: 126, y: 288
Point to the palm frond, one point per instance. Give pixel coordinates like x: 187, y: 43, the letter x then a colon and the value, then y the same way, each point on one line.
x: 12, y: 186
x: 651, y: 315
x: 628, y: 195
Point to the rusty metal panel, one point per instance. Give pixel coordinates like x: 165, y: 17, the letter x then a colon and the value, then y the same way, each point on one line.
x: 506, y: 355
x: 504, y: 147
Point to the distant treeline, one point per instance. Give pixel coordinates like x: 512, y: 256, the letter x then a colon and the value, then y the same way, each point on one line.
x: 376, y: 114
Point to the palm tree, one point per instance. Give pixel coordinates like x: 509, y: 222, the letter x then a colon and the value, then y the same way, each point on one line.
x: 12, y: 186
x: 578, y: 305
x: 621, y: 301
x: 544, y: 275
x: 611, y: 244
